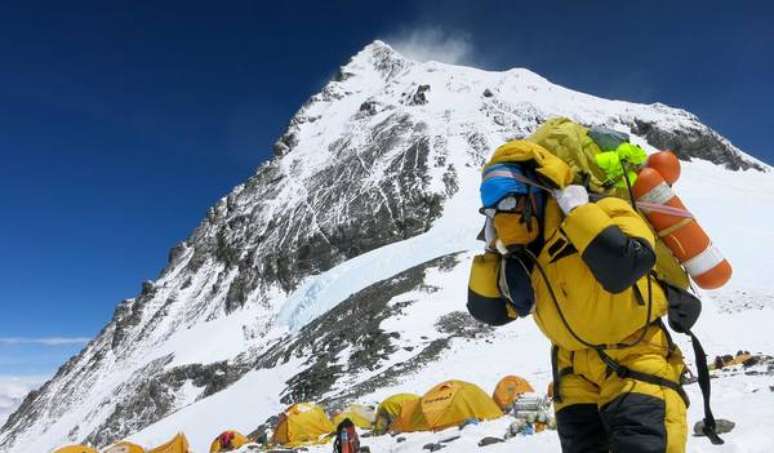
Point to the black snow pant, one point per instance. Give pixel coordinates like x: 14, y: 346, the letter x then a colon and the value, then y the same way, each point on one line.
x: 632, y: 423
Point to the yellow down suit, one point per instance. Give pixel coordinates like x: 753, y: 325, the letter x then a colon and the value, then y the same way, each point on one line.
x: 616, y: 371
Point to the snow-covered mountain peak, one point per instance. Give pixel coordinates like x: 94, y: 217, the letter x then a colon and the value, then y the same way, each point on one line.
x: 378, y: 56
x: 300, y: 282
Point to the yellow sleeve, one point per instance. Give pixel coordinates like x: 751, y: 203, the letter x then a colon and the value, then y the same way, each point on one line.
x: 586, y: 222
x: 624, y: 217
x: 613, y: 240
x: 485, y: 302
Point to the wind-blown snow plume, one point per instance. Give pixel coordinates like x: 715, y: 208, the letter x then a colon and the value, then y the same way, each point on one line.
x: 433, y: 44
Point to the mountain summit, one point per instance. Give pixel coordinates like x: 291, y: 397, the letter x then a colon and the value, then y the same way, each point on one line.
x: 337, y: 271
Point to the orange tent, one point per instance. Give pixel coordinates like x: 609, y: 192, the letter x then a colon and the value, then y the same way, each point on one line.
x: 509, y: 389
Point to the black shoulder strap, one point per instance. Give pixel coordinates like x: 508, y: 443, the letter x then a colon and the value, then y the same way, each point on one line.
x: 625, y: 372
x: 704, y: 383
x: 555, y: 373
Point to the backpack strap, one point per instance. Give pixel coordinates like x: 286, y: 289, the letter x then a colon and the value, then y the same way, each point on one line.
x: 710, y: 427
x: 682, y: 315
x: 624, y: 372
x: 557, y: 373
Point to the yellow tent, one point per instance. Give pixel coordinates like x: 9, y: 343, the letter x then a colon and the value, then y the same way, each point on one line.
x: 302, y: 423
x: 76, y: 449
x: 390, y: 409
x: 178, y: 444
x: 509, y: 389
x: 361, y: 416
x: 447, y: 404
x: 227, y: 441
x: 124, y: 447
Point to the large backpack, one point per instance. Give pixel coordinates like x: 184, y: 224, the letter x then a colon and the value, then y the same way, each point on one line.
x: 572, y: 143
x: 347, y: 440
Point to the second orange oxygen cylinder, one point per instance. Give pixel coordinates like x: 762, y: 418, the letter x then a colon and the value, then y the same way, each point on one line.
x: 687, y: 240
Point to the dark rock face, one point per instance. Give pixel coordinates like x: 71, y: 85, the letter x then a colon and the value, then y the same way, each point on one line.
x: 369, y: 107
x: 285, y: 144
x: 420, y: 95
x: 700, y: 142
x: 354, y: 324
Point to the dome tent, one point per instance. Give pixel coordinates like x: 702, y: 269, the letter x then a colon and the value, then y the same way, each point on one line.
x: 362, y: 416
x: 447, y: 404
x: 389, y: 410
x: 178, y: 444
x: 302, y: 423
x: 509, y: 389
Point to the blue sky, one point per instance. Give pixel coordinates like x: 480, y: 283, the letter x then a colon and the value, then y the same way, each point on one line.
x: 122, y: 122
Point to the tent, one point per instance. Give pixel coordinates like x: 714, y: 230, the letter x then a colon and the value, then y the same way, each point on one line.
x: 390, y: 409
x: 447, y: 404
x: 227, y: 441
x: 362, y: 416
x: 302, y: 423
x: 76, y: 449
x: 124, y: 447
x: 178, y: 444
x: 509, y: 389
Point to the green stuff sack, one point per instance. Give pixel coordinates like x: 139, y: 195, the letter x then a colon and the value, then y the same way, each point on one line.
x: 570, y: 142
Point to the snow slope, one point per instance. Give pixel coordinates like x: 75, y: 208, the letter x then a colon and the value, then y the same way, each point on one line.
x: 375, y: 177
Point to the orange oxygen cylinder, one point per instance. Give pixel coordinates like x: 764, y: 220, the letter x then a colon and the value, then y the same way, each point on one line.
x: 687, y: 240
x: 666, y: 163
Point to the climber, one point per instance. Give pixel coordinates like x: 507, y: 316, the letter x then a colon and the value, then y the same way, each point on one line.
x: 347, y: 440
x: 585, y: 271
